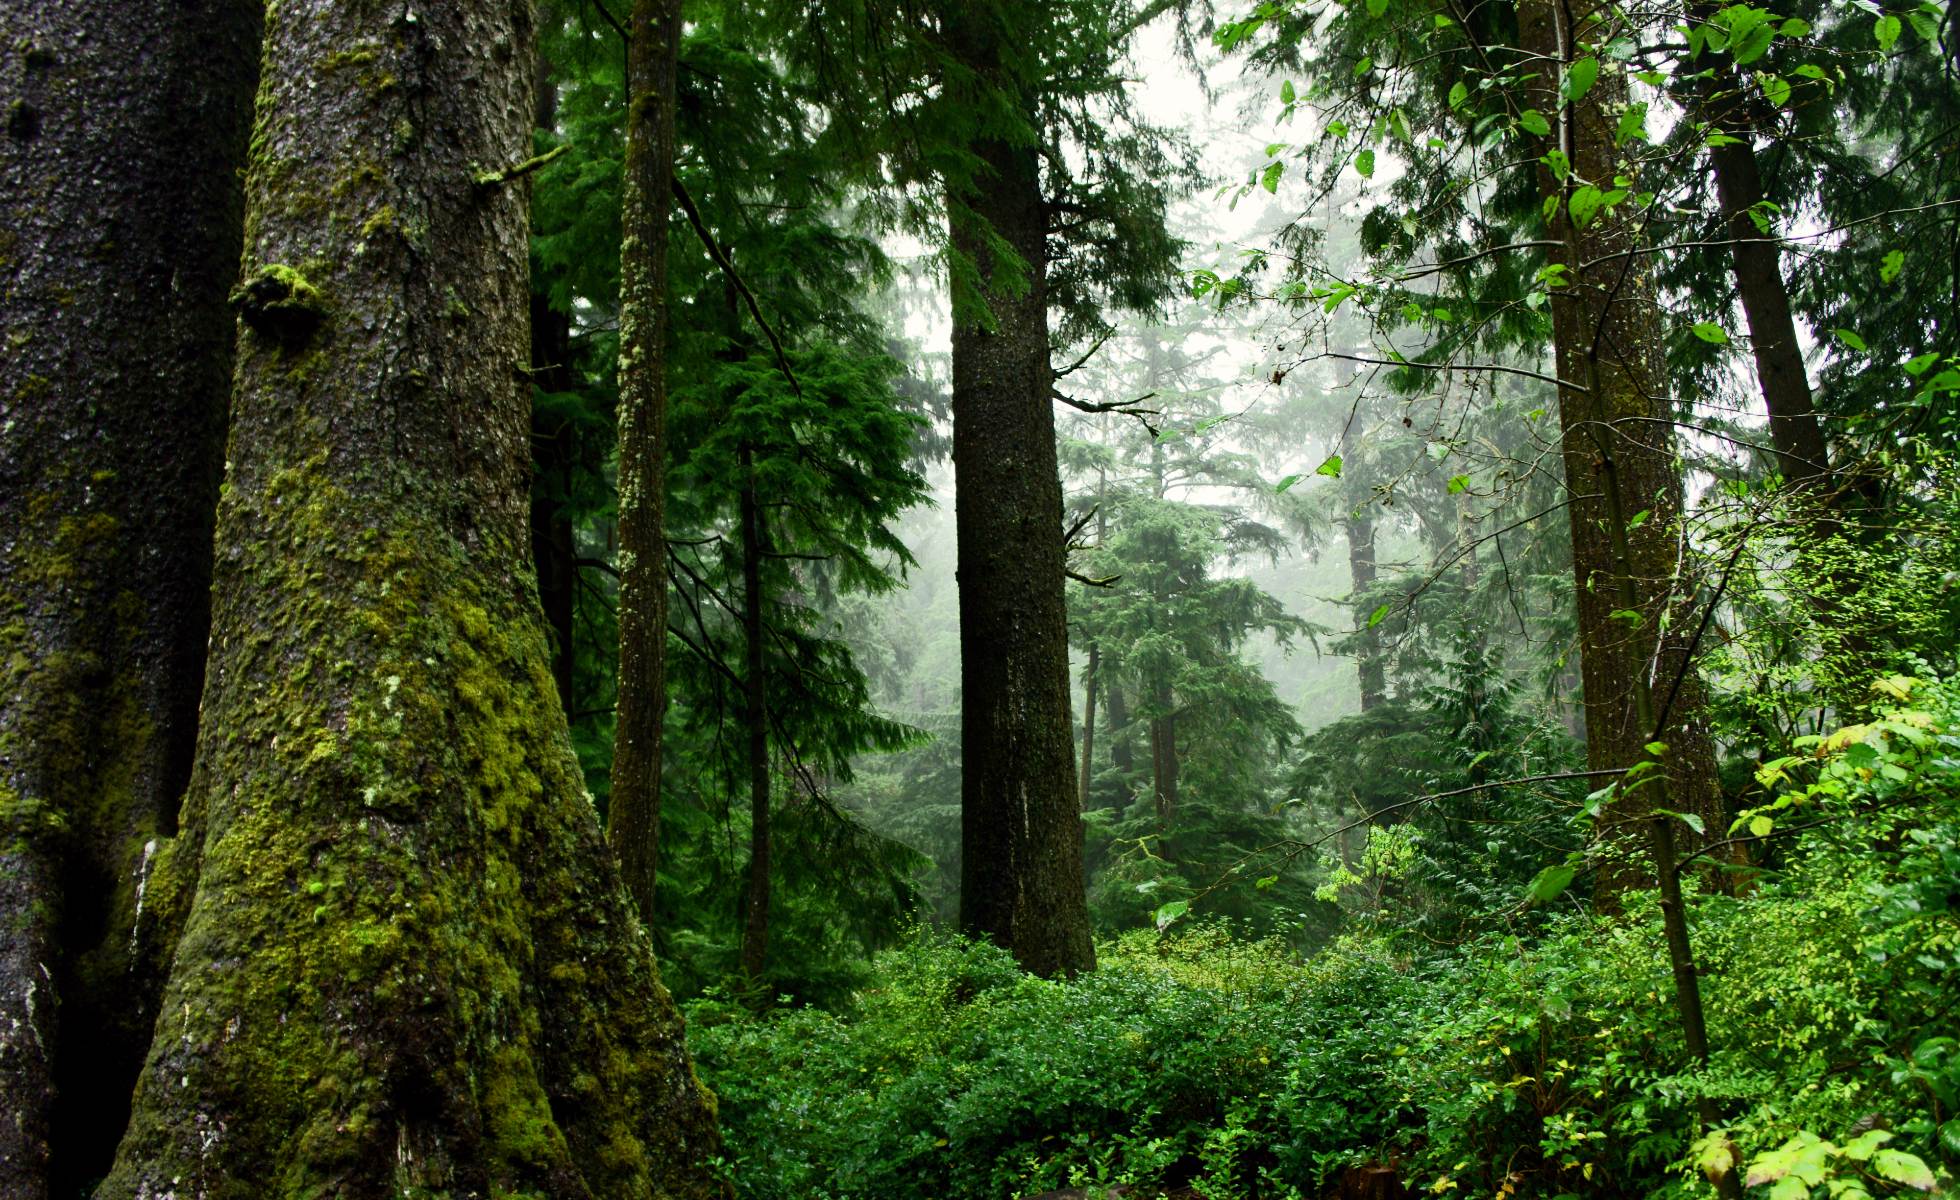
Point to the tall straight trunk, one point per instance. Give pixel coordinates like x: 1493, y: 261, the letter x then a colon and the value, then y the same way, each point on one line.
x: 755, y: 719
x: 1089, y: 682
x: 1368, y: 664
x: 1795, y: 435
x: 633, y: 815
x: 1021, y: 882
x: 1359, y: 526
x: 120, y: 222
x: 1617, y: 425
x: 553, y: 459
x: 1618, y: 431
x: 1163, y: 765
x: 407, y: 965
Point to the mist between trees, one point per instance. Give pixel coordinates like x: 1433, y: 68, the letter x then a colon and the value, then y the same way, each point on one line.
x: 830, y: 598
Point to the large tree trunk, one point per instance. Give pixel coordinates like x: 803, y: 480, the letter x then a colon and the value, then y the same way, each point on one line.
x: 1021, y: 829
x: 1121, y: 747
x: 1359, y: 526
x: 633, y: 815
x: 1617, y: 423
x: 120, y: 218
x: 407, y: 964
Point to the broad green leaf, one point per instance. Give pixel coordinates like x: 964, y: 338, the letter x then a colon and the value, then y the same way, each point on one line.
x: 1459, y: 483
x: 1378, y: 616
x: 1269, y: 179
x: 1849, y: 338
x: 1760, y: 826
x: 1657, y: 749
x: 1459, y: 95
x: 1550, y: 882
x: 1331, y: 468
x: 1903, y: 1168
x: 1918, y: 366
x: 1895, y: 261
x: 1364, y: 163
x: 1579, y: 79
x: 1584, y: 205
x: 1287, y: 483
x: 1377, y: 7
x: 1887, y: 32
x: 1633, y: 123
x: 1776, y: 89
x: 1711, y: 333
x: 1171, y: 912
x: 1286, y: 92
x: 1533, y: 122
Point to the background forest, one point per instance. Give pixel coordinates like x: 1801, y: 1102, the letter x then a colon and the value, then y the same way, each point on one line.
x: 1313, y: 598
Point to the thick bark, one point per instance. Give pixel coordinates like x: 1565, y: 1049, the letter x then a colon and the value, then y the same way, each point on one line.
x: 407, y: 964
x: 120, y: 219
x: 633, y: 818
x: 755, y: 720
x: 1616, y: 419
x: 1021, y: 878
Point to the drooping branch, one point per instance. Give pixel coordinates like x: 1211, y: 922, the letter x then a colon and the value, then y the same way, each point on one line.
x: 716, y: 252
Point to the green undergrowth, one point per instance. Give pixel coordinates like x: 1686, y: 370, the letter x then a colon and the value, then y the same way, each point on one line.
x: 1540, y: 1060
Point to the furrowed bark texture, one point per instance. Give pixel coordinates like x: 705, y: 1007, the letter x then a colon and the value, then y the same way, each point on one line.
x: 1021, y: 827
x: 407, y: 966
x: 633, y: 818
x: 1617, y: 426
x: 120, y: 212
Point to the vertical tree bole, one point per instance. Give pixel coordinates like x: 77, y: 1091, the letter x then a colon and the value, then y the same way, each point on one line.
x: 1021, y: 880
x: 407, y: 964
x: 633, y: 818
x: 120, y: 219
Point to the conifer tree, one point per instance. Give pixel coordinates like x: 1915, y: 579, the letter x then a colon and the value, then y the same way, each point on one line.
x: 120, y: 219
x: 407, y: 964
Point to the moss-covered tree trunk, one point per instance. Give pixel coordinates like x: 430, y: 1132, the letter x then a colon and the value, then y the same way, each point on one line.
x: 1021, y: 828
x: 407, y: 967
x: 1616, y: 415
x: 633, y: 815
x: 120, y: 211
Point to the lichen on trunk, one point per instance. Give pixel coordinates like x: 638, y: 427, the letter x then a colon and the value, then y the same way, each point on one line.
x: 407, y: 966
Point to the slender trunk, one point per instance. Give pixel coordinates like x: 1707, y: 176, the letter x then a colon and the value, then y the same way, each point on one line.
x: 1089, y: 721
x: 1361, y: 578
x: 1121, y: 744
x: 755, y: 717
x: 407, y: 965
x: 633, y: 818
x: 1163, y: 763
x: 1795, y: 435
x: 120, y: 222
x: 1616, y: 419
x: 1021, y: 881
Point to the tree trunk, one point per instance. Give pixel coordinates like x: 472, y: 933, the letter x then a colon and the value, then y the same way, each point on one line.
x: 1617, y: 426
x: 407, y: 966
x: 633, y: 815
x: 120, y: 220
x: 1089, y: 722
x: 1361, y: 578
x: 755, y: 716
x: 1795, y: 436
x: 1021, y: 881
x: 1121, y: 745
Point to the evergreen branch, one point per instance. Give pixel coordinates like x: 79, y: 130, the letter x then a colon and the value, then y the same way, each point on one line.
x: 1105, y: 582
x: 1088, y: 354
x: 728, y: 268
